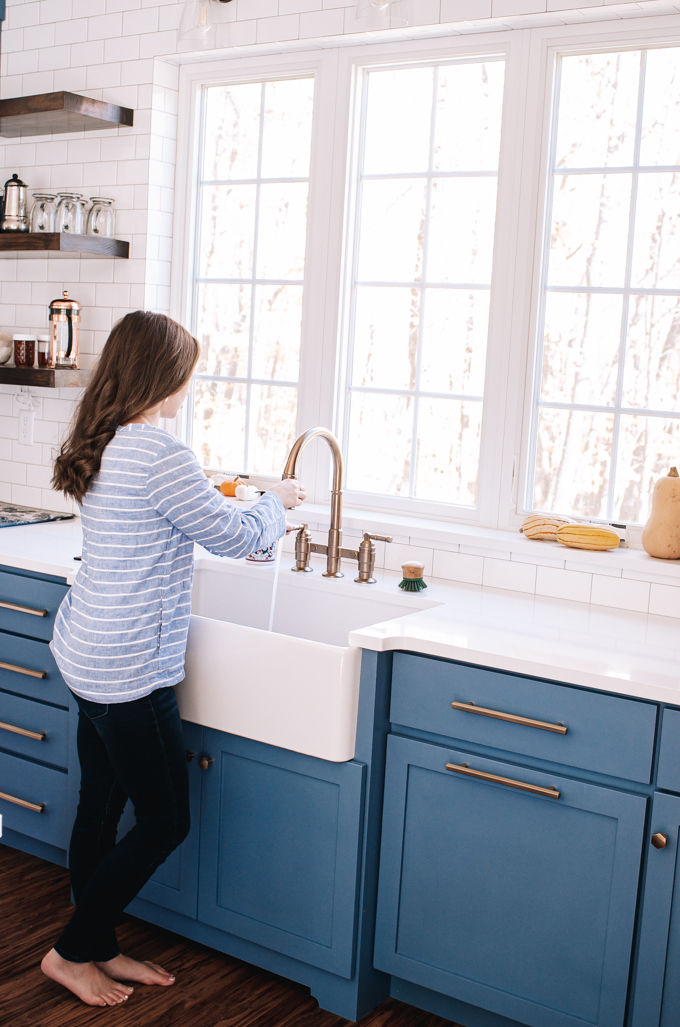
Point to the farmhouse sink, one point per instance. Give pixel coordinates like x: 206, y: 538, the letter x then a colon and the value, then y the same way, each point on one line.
x: 297, y: 686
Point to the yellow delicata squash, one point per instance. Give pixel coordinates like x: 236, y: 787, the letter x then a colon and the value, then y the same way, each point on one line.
x: 587, y: 536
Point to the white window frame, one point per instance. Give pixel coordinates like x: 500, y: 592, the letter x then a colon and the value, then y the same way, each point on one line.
x: 516, y: 287
x: 546, y: 45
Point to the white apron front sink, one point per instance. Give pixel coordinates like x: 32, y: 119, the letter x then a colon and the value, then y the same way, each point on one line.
x: 296, y: 687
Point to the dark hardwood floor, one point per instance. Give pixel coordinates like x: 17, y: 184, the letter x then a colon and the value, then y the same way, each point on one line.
x: 212, y: 990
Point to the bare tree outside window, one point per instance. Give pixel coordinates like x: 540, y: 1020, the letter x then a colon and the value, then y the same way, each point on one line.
x: 251, y: 228
x: 607, y: 392
x: 426, y: 211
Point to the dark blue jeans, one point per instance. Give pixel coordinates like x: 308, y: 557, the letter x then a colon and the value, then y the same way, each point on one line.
x: 127, y: 750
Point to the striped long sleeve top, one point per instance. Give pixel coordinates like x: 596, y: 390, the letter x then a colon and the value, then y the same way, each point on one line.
x: 121, y: 631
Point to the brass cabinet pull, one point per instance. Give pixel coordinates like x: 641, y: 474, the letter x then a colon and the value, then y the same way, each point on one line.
x: 205, y: 761
x: 39, y: 736
x: 189, y: 755
x: 23, y: 670
x: 512, y: 718
x: 523, y: 786
x: 659, y: 841
x: 22, y: 609
x: 37, y: 807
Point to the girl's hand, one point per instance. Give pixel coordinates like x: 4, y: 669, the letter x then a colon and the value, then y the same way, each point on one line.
x: 290, y: 492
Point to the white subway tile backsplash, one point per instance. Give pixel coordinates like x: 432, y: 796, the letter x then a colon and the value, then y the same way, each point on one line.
x: 496, y: 554
x: 518, y: 577
x: 55, y: 10
x: 71, y: 79
x: 25, y: 496
x: 321, y: 23
x: 105, y: 26
x: 620, y: 593
x: 19, y: 15
x: 12, y: 473
x: 458, y: 567
x: 87, y: 54
x: 664, y: 600
x: 592, y: 568
x: 563, y: 584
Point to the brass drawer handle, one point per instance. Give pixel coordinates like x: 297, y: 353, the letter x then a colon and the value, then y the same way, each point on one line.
x: 23, y: 670
x: 523, y: 786
x: 512, y: 718
x: 659, y: 840
x: 22, y: 609
x: 37, y: 807
x: 39, y: 736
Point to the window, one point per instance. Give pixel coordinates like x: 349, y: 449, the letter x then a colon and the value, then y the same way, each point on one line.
x: 466, y: 264
x: 607, y: 418
x: 251, y: 228
x: 425, y: 219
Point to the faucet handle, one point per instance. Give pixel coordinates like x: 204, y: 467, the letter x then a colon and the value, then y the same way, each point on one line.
x: 377, y: 538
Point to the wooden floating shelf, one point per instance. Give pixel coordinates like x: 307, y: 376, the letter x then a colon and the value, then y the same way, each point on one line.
x: 45, y: 377
x: 47, y: 113
x: 12, y: 243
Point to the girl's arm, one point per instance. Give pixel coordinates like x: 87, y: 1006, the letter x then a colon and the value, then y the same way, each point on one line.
x: 179, y: 490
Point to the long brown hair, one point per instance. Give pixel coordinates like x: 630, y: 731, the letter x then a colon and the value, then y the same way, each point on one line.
x: 147, y: 357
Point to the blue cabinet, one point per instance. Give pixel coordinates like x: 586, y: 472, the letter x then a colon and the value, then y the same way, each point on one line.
x: 37, y: 792
x: 280, y: 850
x: 656, y: 998
x: 521, y: 904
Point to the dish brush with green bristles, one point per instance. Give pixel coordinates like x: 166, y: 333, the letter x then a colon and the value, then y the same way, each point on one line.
x: 412, y: 580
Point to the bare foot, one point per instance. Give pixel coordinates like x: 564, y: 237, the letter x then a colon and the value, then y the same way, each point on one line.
x: 85, y: 980
x: 124, y: 968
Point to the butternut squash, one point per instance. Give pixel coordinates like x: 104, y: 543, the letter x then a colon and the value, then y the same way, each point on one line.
x: 661, y: 533
x: 587, y: 536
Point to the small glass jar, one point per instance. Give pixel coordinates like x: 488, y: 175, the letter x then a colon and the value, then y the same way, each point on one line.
x: 43, y: 350
x: 69, y: 214
x: 101, y: 218
x: 43, y: 212
x: 24, y: 350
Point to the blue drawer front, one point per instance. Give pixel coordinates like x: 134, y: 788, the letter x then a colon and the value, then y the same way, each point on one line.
x: 39, y: 718
x: 605, y: 734
x: 669, y: 756
x: 32, y: 594
x: 33, y: 783
x: 30, y: 655
x: 520, y: 904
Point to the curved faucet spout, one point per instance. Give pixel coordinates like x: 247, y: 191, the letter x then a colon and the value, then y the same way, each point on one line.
x: 290, y: 471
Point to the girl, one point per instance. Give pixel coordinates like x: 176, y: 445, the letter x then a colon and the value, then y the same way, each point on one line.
x: 120, y: 634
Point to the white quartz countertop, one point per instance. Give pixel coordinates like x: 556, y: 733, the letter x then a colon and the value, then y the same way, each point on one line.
x: 627, y: 653
x: 632, y: 654
x: 47, y: 548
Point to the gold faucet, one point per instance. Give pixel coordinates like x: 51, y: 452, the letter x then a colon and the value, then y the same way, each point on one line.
x: 334, y: 552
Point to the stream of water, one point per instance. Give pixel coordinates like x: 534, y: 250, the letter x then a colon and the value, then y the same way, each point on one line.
x: 275, y: 586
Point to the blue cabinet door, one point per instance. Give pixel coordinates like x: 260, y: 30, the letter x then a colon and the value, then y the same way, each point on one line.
x: 175, y: 884
x: 519, y: 903
x: 656, y: 999
x: 280, y: 849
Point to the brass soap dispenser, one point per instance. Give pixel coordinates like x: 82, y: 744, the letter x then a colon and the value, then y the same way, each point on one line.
x: 64, y: 331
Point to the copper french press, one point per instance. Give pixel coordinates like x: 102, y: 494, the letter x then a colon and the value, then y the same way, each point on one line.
x: 64, y: 332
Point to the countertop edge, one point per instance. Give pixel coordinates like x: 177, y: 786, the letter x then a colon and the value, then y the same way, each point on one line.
x: 523, y: 666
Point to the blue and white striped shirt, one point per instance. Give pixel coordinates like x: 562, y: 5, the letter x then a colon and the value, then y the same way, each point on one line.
x: 121, y: 631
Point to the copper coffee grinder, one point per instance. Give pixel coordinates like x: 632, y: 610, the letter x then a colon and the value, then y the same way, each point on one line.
x: 64, y: 332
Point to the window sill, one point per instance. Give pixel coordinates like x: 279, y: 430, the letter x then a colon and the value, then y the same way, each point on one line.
x: 416, y: 532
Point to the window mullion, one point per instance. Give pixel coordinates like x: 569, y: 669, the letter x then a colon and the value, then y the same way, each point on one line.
x: 626, y: 295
